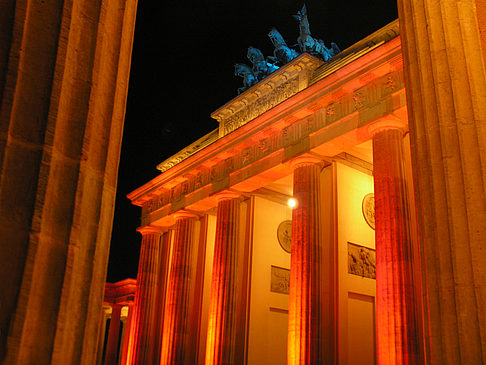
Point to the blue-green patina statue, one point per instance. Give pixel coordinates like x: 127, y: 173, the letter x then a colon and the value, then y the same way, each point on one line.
x: 282, y: 54
x: 312, y: 45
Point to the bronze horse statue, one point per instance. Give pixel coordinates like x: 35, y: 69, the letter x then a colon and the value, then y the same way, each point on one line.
x: 249, y: 78
x: 261, y: 68
x: 309, y: 44
x: 282, y: 53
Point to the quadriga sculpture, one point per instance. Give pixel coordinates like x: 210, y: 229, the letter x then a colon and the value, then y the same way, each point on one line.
x: 309, y: 44
x: 249, y: 78
x: 261, y: 68
x: 282, y: 53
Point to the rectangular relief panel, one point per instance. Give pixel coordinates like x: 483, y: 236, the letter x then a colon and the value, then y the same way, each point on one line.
x: 361, y: 261
x: 280, y: 282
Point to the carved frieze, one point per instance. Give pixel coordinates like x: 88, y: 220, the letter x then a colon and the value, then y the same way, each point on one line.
x: 271, y: 91
x: 280, y: 280
x: 264, y: 103
x: 361, y: 261
x: 189, y: 151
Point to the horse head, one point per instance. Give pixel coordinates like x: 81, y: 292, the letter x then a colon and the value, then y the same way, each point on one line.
x: 255, y: 55
x: 242, y: 70
x: 276, y: 38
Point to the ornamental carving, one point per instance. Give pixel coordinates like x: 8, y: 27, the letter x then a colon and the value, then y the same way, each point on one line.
x: 361, y: 261
x: 264, y: 103
x: 368, y: 208
x: 280, y: 280
x: 284, y: 235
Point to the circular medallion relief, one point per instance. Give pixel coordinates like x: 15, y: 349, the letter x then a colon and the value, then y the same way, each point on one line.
x: 284, y: 235
x: 368, y: 207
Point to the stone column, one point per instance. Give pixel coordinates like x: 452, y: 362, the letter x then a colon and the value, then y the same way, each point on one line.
x: 113, y: 334
x: 446, y: 92
x: 64, y: 70
x: 221, y: 336
x: 175, y: 336
x: 304, y: 332
x: 127, y: 335
x: 397, y: 336
x: 162, y: 279
x: 145, y: 304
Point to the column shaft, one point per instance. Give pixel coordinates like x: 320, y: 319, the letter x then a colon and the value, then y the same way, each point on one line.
x: 304, y: 337
x: 64, y: 70
x: 113, y: 334
x: 221, y: 337
x: 145, y: 305
x: 396, y: 319
x: 446, y: 88
x: 127, y: 335
x: 176, y: 331
x: 163, y: 276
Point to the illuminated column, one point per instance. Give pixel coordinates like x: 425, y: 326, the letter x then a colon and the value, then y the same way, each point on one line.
x: 221, y: 337
x: 174, y: 338
x: 304, y: 332
x: 127, y: 335
x: 112, y: 343
x: 161, y: 293
x: 445, y: 79
x: 144, y: 310
x: 395, y: 307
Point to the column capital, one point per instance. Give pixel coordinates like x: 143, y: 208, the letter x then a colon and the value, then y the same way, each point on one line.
x: 305, y: 159
x: 388, y: 124
x: 180, y: 214
x: 151, y: 230
x: 227, y: 194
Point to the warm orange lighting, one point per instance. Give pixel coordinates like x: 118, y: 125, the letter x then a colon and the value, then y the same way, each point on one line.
x: 292, y: 203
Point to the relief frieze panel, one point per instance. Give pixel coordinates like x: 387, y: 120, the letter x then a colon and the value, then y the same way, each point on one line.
x: 343, y: 106
x: 261, y: 105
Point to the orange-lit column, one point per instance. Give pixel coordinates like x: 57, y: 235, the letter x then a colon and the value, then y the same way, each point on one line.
x: 395, y: 307
x: 113, y: 334
x: 304, y: 337
x: 127, y: 335
x: 221, y: 337
x: 161, y: 293
x: 174, y: 338
x: 143, y: 327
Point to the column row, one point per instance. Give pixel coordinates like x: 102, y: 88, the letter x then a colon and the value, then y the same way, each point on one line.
x: 307, y: 341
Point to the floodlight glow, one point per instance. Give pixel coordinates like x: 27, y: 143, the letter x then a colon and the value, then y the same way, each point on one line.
x: 292, y: 203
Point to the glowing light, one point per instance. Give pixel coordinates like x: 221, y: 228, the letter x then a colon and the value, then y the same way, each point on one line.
x: 292, y: 203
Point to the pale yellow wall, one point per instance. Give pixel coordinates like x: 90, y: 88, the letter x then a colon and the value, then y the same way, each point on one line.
x: 210, y: 237
x: 268, y: 311
x: 356, y: 300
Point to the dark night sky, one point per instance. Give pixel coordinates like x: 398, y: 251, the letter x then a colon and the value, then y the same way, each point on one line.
x: 182, y: 70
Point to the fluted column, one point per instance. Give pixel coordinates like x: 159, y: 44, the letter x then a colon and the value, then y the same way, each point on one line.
x: 64, y: 71
x: 162, y: 280
x: 395, y: 303
x: 113, y: 334
x: 221, y: 336
x: 127, y: 335
x: 446, y: 92
x: 304, y: 332
x: 175, y: 336
x: 145, y: 304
